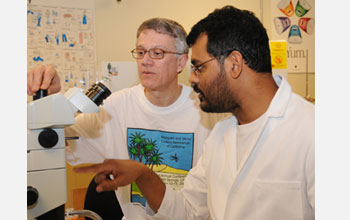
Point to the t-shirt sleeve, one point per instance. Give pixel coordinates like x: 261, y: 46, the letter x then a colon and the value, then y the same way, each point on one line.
x: 90, y: 130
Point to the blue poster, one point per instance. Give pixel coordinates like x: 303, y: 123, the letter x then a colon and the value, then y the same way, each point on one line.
x: 169, y: 154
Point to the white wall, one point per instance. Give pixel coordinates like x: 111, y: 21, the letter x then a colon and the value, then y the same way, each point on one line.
x: 116, y: 23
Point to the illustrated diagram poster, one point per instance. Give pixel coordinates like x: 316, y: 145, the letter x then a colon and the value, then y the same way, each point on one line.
x: 294, y: 21
x: 64, y: 38
x: 169, y: 154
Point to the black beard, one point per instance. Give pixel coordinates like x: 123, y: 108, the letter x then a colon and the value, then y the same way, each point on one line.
x: 219, y: 98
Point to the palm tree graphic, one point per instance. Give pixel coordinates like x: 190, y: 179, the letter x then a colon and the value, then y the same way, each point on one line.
x: 144, y: 149
x: 133, y: 151
x: 150, y: 146
x: 137, y: 140
x: 155, y: 158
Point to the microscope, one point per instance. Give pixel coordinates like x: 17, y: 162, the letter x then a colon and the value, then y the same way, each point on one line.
x: 48, y: 115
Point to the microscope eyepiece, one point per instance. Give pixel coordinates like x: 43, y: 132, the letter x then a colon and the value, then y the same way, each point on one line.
x: 97, y: 93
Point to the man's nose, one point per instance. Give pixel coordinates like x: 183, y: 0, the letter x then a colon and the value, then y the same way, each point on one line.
x: 193, y: 78
x: 146, y: 60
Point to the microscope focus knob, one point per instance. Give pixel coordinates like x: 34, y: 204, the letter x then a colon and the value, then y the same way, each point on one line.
x: 48, y: 138
x: 32, y: 195
x: 40, y: 94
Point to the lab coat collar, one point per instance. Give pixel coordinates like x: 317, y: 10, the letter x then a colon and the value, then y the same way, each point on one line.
x: 280, y: 101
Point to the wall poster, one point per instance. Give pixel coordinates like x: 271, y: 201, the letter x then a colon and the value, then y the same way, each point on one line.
x: 63, y: 37
x: 294, y: 21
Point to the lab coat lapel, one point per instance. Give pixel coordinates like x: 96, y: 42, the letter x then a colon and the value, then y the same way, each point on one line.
x: 230, y: 142
x: 253, y: 143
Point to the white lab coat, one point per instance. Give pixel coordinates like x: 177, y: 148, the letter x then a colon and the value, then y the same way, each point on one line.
x: 276, y: 180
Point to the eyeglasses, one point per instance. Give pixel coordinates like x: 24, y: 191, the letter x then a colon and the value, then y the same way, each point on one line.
x: 154, y: 53
x: 196, y: 69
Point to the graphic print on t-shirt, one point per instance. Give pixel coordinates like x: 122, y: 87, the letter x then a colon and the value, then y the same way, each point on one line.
x: 169, y: 154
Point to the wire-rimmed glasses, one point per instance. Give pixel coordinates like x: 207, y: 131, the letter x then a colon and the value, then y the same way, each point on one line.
x: 154, y: 53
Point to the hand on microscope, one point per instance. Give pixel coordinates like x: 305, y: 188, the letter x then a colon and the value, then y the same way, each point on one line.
x: 43, y: 77
x: 114, y: 173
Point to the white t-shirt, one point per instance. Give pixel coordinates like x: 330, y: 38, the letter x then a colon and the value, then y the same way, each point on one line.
x: 244, y: 135
x: 169, y: 139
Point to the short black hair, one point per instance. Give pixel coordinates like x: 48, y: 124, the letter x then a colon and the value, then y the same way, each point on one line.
x: 229, y: 29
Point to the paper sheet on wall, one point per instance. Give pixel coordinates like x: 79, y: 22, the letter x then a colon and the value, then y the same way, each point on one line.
x: 279, y: 57
x: 63, y: 37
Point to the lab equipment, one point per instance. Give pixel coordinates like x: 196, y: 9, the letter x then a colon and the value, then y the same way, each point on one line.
x: 46, y: 164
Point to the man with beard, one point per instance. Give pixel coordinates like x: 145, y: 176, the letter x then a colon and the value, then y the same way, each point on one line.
x: 258, y: 164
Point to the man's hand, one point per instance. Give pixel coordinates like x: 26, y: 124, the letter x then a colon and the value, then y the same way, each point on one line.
x: 43, y: 77
x: 125, y: 172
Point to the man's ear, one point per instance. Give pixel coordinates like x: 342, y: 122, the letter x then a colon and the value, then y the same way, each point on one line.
x: 234, y: 64
x: 182, y: 60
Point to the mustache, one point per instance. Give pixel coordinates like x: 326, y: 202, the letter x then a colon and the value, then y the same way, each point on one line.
x: 196, y: 89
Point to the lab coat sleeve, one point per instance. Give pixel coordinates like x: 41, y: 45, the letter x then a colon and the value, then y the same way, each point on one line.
x: 190, y: 202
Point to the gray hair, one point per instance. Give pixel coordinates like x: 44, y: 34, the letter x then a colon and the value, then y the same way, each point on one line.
x: 169, y: 27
